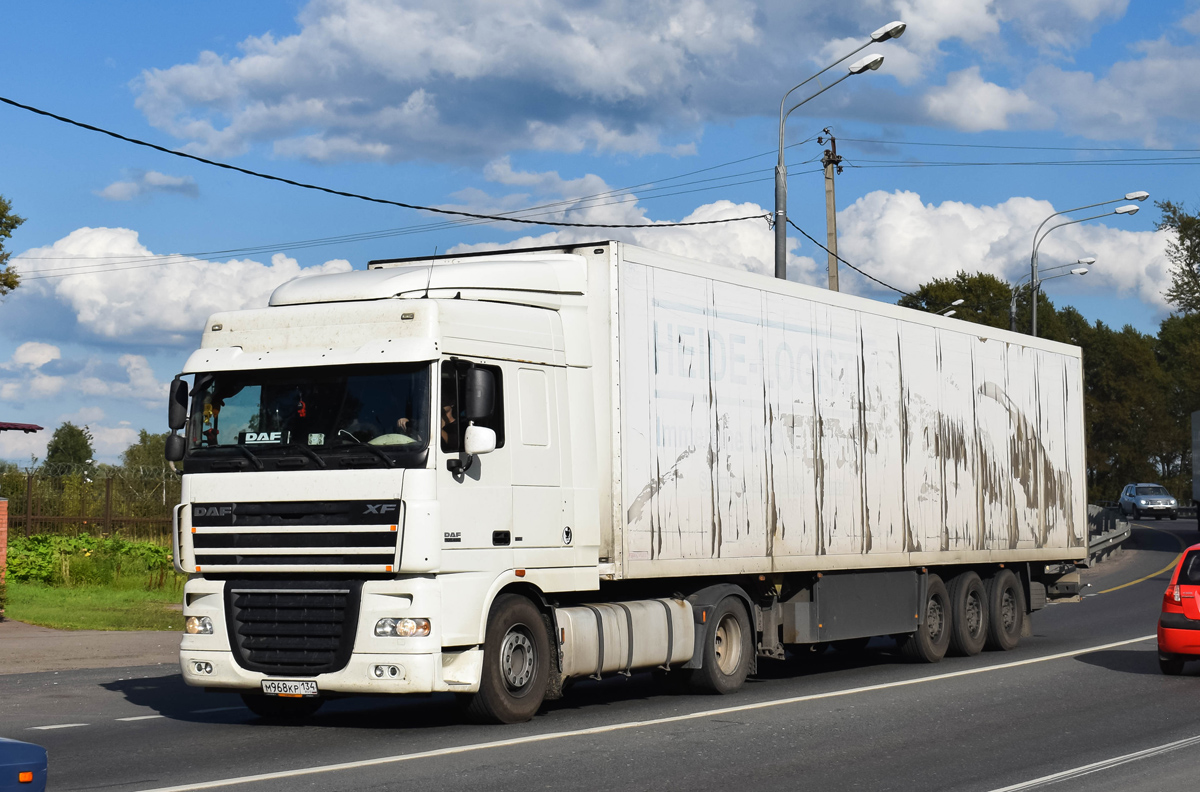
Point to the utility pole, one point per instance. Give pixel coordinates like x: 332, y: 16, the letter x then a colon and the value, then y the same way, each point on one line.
x: 833, y: 164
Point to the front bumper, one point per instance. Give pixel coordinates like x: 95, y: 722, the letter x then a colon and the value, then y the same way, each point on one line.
x: 423, y: 664
x: 419, y: 673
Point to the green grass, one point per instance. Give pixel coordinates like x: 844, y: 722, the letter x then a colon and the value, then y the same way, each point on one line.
x: 93, y: 607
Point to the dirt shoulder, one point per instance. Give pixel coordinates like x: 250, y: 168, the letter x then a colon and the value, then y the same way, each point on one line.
x: 25, y: 648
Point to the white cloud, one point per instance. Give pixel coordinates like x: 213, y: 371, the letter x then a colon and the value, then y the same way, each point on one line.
x: 146, y: 182
x: 390, y: 80
x: 746, y: 244
x: 165, y: 302
x: 83, y: 416
x: 140, y: 383
x: 901, y: 240
x: 21, y: 377
x: 969, y: 103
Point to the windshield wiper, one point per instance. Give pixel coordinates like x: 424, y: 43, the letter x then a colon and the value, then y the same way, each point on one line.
x: 308, y: 452
x: 249, y: 455
x: 372, y: 449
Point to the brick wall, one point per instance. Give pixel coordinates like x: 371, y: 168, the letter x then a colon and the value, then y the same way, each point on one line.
x: 3, y: 537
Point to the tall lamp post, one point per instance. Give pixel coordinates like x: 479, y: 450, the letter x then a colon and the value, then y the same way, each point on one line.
x: 1080, y: 267
x: 1038, y: 236
x: 869, y: 63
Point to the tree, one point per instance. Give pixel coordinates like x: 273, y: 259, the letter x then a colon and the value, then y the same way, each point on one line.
x: 8, y: 223
x: 147, y: 454
x: 70, y: 446
x: 986, y: 298
x: 1184, y: 254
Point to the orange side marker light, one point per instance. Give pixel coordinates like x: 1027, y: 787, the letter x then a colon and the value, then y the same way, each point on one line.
x: 25, y: 777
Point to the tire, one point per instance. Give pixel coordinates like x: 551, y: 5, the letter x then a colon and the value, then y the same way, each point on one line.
x: 278, y: 708
x: 728, y: 649
x: 968, y: 614
x: 852, y: 646
x: 932, y: 638
x: 1006, y: 611
x: 1170, y: 665
x: 516, y: 663
x: 1136, y: 514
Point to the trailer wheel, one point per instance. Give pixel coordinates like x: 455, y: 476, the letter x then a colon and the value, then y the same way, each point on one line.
x: 1170, y: 665
x: 728, y: 649
x: 277, y: 708
x: 932, y: 638
x: 968, y: 614
x: 516, y: 663
x: 1006, y: 610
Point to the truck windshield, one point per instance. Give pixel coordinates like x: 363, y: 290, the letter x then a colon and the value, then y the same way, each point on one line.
x: 312, y: 412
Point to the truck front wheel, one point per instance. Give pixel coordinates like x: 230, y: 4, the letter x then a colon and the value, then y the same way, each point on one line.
x: 932, y: 638
x: 516, y: 663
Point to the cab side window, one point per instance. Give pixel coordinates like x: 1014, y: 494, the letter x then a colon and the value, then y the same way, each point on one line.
x: 453, y: 426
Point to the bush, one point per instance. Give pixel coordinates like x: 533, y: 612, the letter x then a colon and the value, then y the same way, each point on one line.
x: 86, y: 560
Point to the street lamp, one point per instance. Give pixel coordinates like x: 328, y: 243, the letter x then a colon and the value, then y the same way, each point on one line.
x: 1077, y: 270
x: 892, y: 30
x: 947, y: 312
x: 1130, y: 209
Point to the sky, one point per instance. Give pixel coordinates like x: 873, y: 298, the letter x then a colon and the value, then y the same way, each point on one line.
x: 986, y: 117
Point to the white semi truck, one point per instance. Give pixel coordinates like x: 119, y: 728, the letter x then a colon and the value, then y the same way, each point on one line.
x: 490, y: 474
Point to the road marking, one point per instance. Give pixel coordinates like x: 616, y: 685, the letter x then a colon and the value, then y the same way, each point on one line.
x: 536, y: 738
x: 1167, y: 568
x: 216, y: 709
x: 1104, y: 764
x: 141, y: 717
x: 58, y: 726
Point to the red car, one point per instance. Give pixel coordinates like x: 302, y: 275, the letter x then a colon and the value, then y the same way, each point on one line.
x: 1179, y: 623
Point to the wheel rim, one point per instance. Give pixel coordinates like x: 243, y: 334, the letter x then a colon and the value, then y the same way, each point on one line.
x: 974, y: 614
x: 727, y: 644
x: 518, y: 659
x: 1008, y: 610
x: 935, y: 618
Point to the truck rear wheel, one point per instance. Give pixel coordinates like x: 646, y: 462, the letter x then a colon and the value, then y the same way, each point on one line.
x: 516, y: 663
x: 279, y: 708
x: 932, y: 638
x: 1006, y: 610
x: 728, y: 649
x: 968, y: 614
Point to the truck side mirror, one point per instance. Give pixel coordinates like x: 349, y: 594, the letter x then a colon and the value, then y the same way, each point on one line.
x: 177, y: 404
x: 479, y: 440
x: 174, y: 448
x: 480, y: 396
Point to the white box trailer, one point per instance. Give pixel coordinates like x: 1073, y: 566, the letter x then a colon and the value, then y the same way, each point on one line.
x: 665, y: 463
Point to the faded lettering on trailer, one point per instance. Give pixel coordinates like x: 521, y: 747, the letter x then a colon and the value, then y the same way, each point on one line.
x: 755, y: 424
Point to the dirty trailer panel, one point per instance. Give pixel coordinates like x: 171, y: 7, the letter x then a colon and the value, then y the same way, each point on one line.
x: 762, y: 431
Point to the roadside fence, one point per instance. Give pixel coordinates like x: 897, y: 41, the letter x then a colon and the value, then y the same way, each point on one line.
x: 132, y: 504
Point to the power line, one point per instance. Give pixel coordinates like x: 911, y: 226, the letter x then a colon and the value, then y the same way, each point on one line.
x: 995, y: 146
x: 847, y: 263
x: 360, y: 197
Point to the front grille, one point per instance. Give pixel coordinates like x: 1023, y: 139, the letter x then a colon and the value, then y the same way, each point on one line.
x: 296, y: 629
x: 333, y: 536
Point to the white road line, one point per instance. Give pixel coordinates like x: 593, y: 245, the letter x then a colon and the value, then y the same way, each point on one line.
x: 1105, y: 764
x: 141, y: 717
x: 216, y: 709
x: 536, y: 738
x: 58, y: 726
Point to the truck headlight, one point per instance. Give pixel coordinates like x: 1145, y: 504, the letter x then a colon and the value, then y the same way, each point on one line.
x: 198, y: 625
x: 402, y: 628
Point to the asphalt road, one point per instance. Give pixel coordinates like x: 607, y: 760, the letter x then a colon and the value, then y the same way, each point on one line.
x: 1080, y: 705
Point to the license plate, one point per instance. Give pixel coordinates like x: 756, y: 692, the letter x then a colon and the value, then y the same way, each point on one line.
x: 289, y: 687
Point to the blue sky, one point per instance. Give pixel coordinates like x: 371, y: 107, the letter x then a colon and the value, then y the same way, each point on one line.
x: 496, y: 107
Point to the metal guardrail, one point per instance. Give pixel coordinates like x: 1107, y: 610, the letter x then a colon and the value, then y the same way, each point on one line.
x: 1107, y: 531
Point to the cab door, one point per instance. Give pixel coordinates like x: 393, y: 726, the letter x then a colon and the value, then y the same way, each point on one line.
x: 537, y: 505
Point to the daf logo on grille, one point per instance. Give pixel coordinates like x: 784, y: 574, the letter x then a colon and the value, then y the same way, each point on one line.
x: 380, y: 508
x: 212, y: 511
